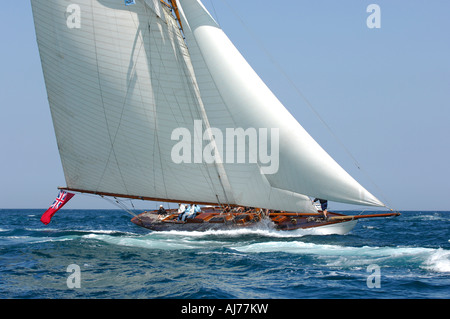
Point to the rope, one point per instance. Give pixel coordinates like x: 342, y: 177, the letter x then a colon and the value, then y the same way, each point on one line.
x: 121, y: 205
x: 115, y: 202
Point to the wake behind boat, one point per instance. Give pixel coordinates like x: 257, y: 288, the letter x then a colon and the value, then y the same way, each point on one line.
x: 150, y: 100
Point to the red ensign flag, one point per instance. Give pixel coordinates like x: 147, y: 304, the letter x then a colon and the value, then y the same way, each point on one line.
x: 60, y: 201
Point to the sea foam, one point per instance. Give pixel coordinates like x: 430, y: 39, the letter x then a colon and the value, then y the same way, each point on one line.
x: 438, y: 261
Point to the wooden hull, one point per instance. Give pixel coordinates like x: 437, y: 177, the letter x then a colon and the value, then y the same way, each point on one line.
x: 213, y: 218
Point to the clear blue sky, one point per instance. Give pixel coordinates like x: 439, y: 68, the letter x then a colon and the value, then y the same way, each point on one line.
x: 385, y: 93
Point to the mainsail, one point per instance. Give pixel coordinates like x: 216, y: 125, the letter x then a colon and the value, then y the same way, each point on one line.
x: 122, y: 79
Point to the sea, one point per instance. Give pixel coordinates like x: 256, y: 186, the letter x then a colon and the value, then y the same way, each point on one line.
x: 100, y: 254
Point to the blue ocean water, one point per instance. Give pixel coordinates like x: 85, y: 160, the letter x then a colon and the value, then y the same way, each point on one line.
x: 394, y: 258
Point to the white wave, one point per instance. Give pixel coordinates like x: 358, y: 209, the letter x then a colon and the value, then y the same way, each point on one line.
x: 14, y: 240
x: 299, y: 247
x: 439, y: 261
x: 155, y: 242
x: 108, y: 232
x: 332, y: 255
x: 429, y: 217
x: 88, y: 231
x: 193, y: 239
x: 42, y: 229
x: 235, y: 233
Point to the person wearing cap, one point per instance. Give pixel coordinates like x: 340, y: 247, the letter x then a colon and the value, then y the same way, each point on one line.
x: 161, y: 210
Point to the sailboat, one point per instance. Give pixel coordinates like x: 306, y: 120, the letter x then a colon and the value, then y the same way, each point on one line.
x: 151, y: 100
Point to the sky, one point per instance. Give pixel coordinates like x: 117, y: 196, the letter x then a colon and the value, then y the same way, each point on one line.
x: 376, y: 99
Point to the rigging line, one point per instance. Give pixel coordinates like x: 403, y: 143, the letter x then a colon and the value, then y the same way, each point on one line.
x: 115, y: 202
x: 308, y: 103
x: 120, y: 205
x: 216, y: 17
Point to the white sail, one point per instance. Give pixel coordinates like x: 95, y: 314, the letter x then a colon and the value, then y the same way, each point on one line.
x: 120, y: 82
x: 117, y: 88
x: 229, y: 86
x: 155, y: 5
